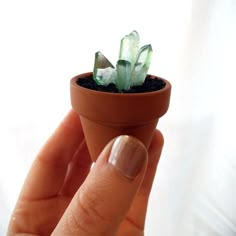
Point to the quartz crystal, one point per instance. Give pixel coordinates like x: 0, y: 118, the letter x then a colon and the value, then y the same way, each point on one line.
x: 129, y: 47
x: 104, y: 72
x: 131, y: 68
x: 123, y: 68
x: 141, y: 66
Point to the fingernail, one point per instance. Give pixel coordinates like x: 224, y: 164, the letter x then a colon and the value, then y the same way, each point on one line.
x: 128, y: 155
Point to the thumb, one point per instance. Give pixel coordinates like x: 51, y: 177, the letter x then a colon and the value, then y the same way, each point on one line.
x: 105, y: 197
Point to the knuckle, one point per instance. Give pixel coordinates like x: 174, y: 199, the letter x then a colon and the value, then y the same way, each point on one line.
x: 95, y: 205
x: 89, y: 214
x: 74, y: 224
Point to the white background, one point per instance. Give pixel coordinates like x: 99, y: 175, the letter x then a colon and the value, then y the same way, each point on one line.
x: 45, y: 43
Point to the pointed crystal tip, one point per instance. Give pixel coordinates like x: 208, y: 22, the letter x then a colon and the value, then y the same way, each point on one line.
x: 103, y: 72
x: 141, y: 65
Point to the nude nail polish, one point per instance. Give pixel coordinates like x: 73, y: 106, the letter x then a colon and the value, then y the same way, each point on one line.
x: 128, y: 155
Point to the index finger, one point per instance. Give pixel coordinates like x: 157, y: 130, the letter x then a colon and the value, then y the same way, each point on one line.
x: 48, y: 171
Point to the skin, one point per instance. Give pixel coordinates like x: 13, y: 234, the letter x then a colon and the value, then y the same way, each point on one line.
x: 62, y: 195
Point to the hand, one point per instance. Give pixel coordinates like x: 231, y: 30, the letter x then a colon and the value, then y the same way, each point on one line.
x: 63, y: 195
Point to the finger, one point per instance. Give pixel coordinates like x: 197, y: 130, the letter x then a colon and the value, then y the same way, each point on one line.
x: 154, y: 153
x: 105, y: 197
x: 78, y: 170
x: 137, y: 213
x: 48, y: 171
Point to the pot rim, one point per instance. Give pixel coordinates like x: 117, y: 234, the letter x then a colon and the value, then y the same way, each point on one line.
x: 75, y: 78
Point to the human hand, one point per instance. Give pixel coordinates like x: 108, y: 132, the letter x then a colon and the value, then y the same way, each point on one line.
x: 63, y: 195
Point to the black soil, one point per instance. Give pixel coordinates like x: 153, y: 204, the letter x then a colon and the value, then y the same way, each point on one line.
x: 150, y: 84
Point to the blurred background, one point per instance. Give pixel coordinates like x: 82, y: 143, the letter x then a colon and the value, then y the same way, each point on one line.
x: 43, y: 44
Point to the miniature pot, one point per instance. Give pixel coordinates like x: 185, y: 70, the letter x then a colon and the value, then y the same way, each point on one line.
x: 106, y: 115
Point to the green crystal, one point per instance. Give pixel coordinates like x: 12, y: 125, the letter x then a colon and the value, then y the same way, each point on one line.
x: 131, y: 68
x: 129, y: 47
x: 123, y: 68
x: 141, y: 65
x: 104, y: 72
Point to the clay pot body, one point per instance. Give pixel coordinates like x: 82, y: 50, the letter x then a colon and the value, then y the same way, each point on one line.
x: 105, y: 115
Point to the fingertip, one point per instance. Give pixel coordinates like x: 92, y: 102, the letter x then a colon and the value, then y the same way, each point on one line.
x: 72, y: 121
x: 157, y: 142
x: 82, y: 157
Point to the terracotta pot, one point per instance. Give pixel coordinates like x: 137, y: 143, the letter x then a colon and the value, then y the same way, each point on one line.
x: 105, y: 115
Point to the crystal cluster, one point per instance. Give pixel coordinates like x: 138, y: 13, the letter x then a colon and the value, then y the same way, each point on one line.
x: 131, y: 68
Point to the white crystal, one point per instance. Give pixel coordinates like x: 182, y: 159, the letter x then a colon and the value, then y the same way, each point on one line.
x: 106, y: 76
